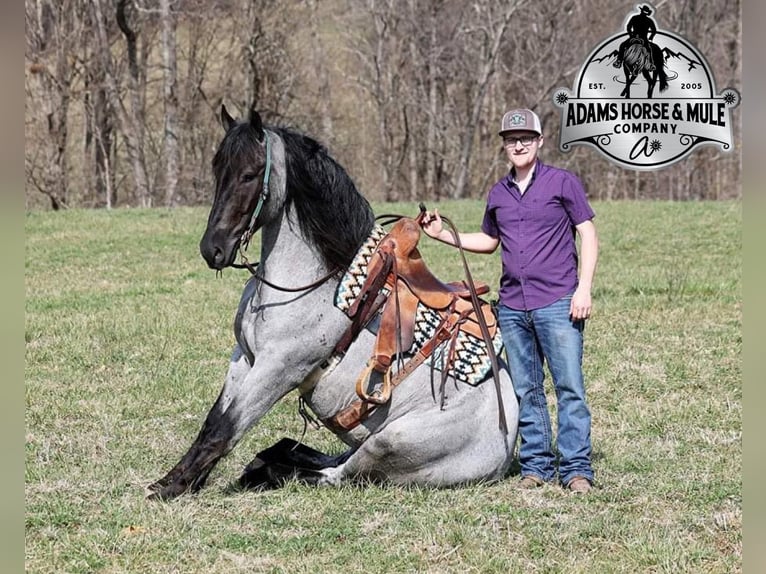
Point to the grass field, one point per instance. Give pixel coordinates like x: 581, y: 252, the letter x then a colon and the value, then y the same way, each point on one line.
x: 127, y: 341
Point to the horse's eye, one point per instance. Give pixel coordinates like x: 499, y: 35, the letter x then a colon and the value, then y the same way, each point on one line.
x: 248, y: 177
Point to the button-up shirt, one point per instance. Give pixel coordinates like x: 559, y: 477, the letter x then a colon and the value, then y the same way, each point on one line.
x: 536, y: 230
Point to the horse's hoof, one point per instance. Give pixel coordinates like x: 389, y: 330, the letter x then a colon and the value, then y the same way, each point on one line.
x: 163, y: 495
x: 163, y: 492
x: 258, y: 476
x: 155, y: 486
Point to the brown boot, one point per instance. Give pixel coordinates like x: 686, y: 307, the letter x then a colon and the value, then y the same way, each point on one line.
x: 579, y: 485
x: 530, y: 482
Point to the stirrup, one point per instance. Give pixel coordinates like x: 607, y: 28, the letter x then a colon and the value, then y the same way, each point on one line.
x: 380, y: 396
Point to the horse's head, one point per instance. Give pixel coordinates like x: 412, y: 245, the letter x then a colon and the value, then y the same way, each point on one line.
x: 241, y: 168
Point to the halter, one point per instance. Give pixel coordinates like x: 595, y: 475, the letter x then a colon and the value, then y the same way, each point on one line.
x: 248, y: 234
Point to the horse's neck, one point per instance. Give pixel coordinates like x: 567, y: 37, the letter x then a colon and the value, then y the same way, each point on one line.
x: 287, y: 257
x: 297, y: 329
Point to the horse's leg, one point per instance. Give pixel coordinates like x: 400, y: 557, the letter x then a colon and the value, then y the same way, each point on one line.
x: 285, y: 460
x: 246, y: 396
x: 651, y: 80
x: 404, y: 454
x: 628, y: 81
x: 210, y: 445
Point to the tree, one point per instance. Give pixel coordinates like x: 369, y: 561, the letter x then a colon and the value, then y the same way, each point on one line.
x: 52, y: 32
x: 170, y: 75
x: 130, y: 119
x: 491, y: 38
x: 123, y: 95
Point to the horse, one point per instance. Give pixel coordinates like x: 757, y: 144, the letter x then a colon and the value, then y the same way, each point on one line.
x: 313, y: 220
x: 649, y: 62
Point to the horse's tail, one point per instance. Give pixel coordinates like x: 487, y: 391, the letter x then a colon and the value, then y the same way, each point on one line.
x: 663, y: 77
x: 637, y: 57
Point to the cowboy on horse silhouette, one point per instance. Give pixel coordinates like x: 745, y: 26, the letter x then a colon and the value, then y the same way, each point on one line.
x: 641, y: 28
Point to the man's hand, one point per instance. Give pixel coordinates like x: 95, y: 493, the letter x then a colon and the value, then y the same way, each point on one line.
x: 432, y: 224
x: 581, y: 304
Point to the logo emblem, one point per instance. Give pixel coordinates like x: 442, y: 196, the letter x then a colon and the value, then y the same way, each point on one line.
x: 517, y: 120
x: 645, y: 98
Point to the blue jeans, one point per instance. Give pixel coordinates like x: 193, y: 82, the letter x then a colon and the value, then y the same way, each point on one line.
x: 531, y: 337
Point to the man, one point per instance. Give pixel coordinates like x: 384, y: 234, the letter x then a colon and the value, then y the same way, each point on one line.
x: 533, y: 214
x: 640, y: 28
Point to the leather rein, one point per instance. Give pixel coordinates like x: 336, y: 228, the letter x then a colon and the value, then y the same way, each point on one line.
x: 252, y: 268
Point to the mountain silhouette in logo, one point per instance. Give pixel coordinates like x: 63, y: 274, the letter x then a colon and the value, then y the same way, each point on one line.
x: 667, y: 53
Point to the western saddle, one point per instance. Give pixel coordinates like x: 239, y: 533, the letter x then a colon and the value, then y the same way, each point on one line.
x: 398, y: 280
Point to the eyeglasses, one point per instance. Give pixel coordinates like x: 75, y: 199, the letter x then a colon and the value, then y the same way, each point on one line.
x: 526, y: 141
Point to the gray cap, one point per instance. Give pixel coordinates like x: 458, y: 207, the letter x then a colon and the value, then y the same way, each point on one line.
x: 521, y: 120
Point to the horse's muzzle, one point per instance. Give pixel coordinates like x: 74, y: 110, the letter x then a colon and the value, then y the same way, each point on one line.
x: 217, y: 254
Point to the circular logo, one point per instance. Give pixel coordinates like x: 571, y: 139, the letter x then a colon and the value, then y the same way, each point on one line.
x: 645, y: 101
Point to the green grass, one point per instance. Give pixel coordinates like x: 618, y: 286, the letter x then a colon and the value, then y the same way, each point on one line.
x: 127, y: 342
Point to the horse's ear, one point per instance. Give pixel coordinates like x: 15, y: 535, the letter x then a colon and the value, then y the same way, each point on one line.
x: 226, y: 120
x: 256, y: 122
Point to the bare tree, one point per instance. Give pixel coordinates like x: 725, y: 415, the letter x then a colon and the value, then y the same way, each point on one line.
x: 170, y: 74
x: 99, y: 144
x: 380, y: 54
x: 52, y: 32
x: 123, y: 95
x: 320, y: 72
x: 128, y: 120
x: 492, y: 37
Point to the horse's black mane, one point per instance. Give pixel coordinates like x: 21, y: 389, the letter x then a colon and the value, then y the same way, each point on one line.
x: 332, y: 214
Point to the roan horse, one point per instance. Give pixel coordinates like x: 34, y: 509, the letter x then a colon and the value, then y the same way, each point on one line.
x: 648, y: 62
x: 313, y: 220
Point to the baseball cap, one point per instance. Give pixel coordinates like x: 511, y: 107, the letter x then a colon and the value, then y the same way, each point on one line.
x: 520, y: 120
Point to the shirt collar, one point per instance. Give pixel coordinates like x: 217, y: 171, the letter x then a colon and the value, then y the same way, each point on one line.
x: 539, y: 165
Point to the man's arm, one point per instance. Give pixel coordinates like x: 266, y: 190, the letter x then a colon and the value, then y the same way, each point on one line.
x: 652, y: 31
x: 478, y: 242
x: 581, y: 305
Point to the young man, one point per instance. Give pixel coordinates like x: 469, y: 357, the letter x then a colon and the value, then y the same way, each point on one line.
x: 533, y: 214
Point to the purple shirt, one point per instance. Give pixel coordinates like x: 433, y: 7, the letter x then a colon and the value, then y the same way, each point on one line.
x: 537, y: 235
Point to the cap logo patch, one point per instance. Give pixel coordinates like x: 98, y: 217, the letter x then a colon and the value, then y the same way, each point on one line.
x: 517, y: 120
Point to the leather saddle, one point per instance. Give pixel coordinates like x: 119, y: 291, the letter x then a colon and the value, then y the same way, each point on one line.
x: 398, y: 280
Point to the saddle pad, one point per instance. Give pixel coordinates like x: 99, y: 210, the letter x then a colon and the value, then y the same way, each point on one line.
x: 472, y: 364
x: 351, y: 283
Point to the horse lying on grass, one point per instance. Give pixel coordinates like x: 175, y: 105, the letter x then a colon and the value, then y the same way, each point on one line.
x: 289, y: 330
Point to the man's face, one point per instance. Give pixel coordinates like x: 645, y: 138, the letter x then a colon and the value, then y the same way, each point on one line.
x: 522, y: 147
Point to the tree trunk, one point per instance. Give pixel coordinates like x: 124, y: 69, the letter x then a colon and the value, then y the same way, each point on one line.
x: 53, y: 26
x: 320, y: 68
x: 131, y: 121
x: 171, y: 101
x: 466, y: 140
x: 254, y: 77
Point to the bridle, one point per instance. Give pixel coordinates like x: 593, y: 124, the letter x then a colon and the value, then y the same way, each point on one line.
x: 250, y: 231
x: 262, y: 197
